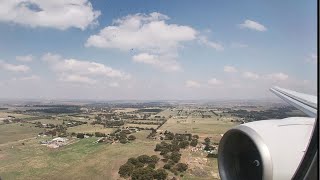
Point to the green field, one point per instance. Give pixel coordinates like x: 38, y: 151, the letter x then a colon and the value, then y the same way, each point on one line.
x: 22, y: 157
x: 203, y: 126
x: 17, y: 131
x: 81, y: 160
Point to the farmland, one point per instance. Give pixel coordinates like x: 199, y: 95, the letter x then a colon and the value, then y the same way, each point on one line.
x: 95, y: 147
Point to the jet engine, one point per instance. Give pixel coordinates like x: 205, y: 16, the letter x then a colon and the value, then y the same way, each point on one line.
x: 263, y: 150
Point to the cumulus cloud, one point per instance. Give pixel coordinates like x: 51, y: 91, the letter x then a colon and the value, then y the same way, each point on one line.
x: 250, y: 75
x: 73, y: 70
x: 150, y: 38
x: 145, y: 33
x: 229, y: 69
x: 203, y: 40
x: 26, y: 58
x: 214, y: 81
x: 249, y: 24
x: 59, y: 14
x: 13, y: 67
x: 75, y: 78
x: 277, y: 76
x: 162, y: 62
x: 192, y: 84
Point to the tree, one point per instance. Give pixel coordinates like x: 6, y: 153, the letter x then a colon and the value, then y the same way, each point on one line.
x: 143, y: 173
x: 123, y: 141
x: 181, y: 167
x: 154, y: 158
x: 131, y: 138
x: 152, y: 165
x: 195, y: 136
x: 207, y: 140
x: 184, y: 144
x: 144, y: 159
x: 132, y: 160
x: 126, y: 170
x: 164, y: 151
x: 175, y: 157
x: 99, y: 134
x: 194, y: 142
x: 80, y: 135
x: 208, y: 148
x: 160, y: 174
x: 167, y: 166
x: 212, y: 155
x: 175, y: 147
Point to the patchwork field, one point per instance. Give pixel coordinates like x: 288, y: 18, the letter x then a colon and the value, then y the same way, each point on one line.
x: 83, y: 159
x: 23, y: 157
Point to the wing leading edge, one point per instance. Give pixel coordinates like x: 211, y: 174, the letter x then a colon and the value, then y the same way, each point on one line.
x: 304, y: 102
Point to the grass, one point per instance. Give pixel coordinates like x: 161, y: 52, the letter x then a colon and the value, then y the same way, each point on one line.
x: 86, y: 160
x: 81, y: 160
x: 126, y: 110
x: 48, y: 121
x: 6, y: 114
x: 88, y: 128
x: 17, y: 131
x: 141, y: 125
x: 197, y: 125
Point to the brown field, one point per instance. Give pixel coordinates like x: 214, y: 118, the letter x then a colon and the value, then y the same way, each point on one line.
x: 88, y: 128
x: 17, y: 131
x: 141, y: 125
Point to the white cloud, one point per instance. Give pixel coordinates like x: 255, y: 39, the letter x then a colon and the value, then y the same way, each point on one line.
x: 26, y: 78
x: 26, y: 58
x: 249, y: 24
x: 74, y: 70
x: 251, y: 75
x: 238, y: 45
x: 13, y: 67
x: 29, y: 78
x: 312, y: 58
x: 203, y: 40
x: 75, y: 78
x: 192, y: 84
x: 229, y: 69
x: 277, y: 76
x: 162, y: 62
x: 114, y: 84
x: 214, y: 81
x: 150, y: 38
x: 144, y: 33
x: 59, y: 14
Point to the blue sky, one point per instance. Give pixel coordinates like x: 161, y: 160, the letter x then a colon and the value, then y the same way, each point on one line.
x: 136, y: 49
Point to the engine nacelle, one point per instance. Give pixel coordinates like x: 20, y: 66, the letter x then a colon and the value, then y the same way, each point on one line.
x: 268, y: 149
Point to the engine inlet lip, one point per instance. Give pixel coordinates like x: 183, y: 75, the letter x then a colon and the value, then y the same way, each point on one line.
x: 259, y: 143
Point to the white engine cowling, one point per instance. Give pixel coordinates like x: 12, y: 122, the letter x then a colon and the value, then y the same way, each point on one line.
x: 268, y: 149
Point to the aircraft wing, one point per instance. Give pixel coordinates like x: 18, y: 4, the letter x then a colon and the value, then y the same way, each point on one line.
x: 304, y: 102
